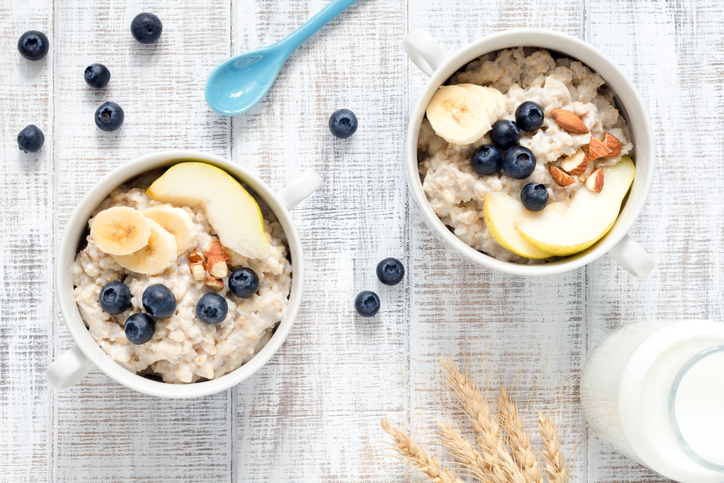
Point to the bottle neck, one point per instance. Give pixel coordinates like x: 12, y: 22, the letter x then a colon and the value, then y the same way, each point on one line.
x: 696, y: 408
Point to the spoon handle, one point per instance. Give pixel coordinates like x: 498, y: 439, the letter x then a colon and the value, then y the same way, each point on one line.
x: 292, y: 41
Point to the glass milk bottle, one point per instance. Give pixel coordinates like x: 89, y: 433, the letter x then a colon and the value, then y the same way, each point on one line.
x: 655, y: 392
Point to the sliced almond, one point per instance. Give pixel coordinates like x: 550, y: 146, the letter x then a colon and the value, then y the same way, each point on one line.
x: 198, y: 271
x: 613, y: 144
x: 217, y: 259
x: 597, y: 149
x: 197, y: 256
x: 595, y: 181
x: 569, y: 121
x: 214, y: 283
x: 575, y: 164
x: 561, y: 177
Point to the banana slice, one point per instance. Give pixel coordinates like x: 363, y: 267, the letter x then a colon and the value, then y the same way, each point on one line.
x: 458, y: 115
x: 120, y: 230
x: 500, y: 104
x: 176, y: 221
x: 157, y: 256
x: 492, y: 98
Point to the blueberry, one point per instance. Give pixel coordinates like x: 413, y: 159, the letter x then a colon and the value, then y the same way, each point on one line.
x: 212, y: 309
x: 534, y: 196
x: 486, y: 159
x: 367, y: 304
x: 109, y: 116
x: 139, y: 328
x: 31, y: 139
x: 390, y: 271
x: 529, y: 116
x: 518, y: 162
x: 343, y: 123
x: 97, y: 75
x: 158, y: 301
x: 33, y: 45
x: 243, y: 282
x: 146, y: 28
x: 115, y: 297
x: 505, y: 134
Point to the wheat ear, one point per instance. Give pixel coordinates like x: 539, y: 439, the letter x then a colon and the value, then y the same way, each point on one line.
x: 417, y: 456
x: 518, y: 438
x: 487, y: 431
x: 467, y: 454
x: 552, y: 454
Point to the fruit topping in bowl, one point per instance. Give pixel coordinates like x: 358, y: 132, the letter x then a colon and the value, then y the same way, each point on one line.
x: 183, y: 279
x: 230, y: 209
x: 552, y: 126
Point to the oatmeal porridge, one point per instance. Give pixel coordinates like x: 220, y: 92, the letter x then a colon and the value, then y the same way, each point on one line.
x: 557, y: 122
x: 184, y: 306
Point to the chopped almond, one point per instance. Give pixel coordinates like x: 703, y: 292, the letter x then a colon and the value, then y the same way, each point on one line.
x: 561, y: 177
x: 575, y: 164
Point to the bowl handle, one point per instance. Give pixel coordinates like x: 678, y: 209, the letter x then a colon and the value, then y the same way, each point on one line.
x: 299, y: 189
x: 424, y: 51
x: 632, y: 257
x: 68, y: 369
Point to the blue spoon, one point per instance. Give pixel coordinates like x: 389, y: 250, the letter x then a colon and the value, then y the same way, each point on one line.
x: 238, y: 84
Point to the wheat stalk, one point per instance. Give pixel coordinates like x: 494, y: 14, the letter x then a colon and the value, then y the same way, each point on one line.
x: 518, y: 438
x: 552, y: 454
x: 417, y: 456
x: 500, y: 463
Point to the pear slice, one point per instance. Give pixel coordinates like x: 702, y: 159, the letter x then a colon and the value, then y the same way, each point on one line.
x: 230, y: 209
x: 500, y: 211
x: 586, y: 219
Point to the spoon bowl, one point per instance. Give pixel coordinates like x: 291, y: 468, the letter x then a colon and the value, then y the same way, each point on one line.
x: 238, y: 84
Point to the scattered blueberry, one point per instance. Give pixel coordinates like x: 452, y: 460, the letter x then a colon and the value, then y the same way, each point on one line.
x: 367, y: 304
x: 534, y: 196
x: 139, y: 328
x: 158, y: 301
x: 244, y: 282
x: 518, y: 162
x: 486, y: 159
x: 109, y: 116
x: 211, y: 309
x: 343, y: 123
x: 33, y: 45
x: 529, y: 116
x: 31, y: 139
x: 505, y: 134
x: 146, y: 28
x: 97, y: 75
x: 390, y: 271
x: 115, y: 297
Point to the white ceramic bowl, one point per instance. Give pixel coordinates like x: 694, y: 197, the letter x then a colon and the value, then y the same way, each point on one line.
x: 432, y: 59
x: 73, y: 365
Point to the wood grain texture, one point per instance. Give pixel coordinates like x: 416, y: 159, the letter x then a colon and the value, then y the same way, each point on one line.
x: 321, y: 398
x: 26, y: 308
x: 533, y: 329
x: 673, y: 52
x: 100, y: 429
x: 306, y: 415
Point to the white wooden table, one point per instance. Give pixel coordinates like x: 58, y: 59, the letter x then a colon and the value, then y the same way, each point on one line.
x: 308, y: 412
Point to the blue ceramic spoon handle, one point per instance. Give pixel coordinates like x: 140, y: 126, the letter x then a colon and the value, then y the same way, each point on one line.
x: 311, y: 26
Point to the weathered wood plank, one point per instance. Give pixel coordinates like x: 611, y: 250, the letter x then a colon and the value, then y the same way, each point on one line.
x: 101, y: 430
x: 460, y: 309
x: 26, y: 308
x: 674, y: 54
x: 321, y: 398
